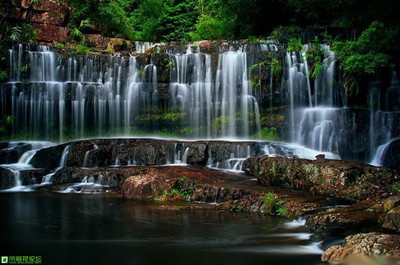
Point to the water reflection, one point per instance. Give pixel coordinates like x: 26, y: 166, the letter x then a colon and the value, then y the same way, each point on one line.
x: 83, y: 229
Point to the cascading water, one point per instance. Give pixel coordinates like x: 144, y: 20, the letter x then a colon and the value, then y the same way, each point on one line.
x: 315, y: 122
x: 23, y: 162
x: 236, y: 106
x: 191, y: 89
x: 383, y: 118
x: 320, y: 120
x: 82, y: 96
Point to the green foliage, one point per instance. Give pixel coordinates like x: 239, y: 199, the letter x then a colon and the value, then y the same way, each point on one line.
x: 269, y: 134
x: 25, y: 68
x: 269, y: 201
x: 315, y: 56
x: 210, y: 27
x: 24, y: 33
x: 253, y: 40
x: 396, y: 188
x: 274, y: 206
x: 361, y: 58
x: 146, y: 19
x: 254, y: 78
x: 59, y: 45
x: 254, y: 71
x: 178, y: 193
x: 77, y: 33
x: 165, y: 117
x: 3, y: 76
x: 81, y: 48
x: 6, y: 124
x: 256, y: 66
x: 276, y: 68
x: 178, y: 20
x: 294, y: 45
x: 112, y: 17
x: 283, y: 34
x: 170, y: 64
x: 86, y: 23
x: 15, y: 34
x: 281, y: 211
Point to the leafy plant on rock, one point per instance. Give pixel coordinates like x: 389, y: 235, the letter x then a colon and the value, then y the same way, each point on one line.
x: 5, y: 124
x: 294, y: 45
x: 274, y: 206
x: 362, y: 58
x: 178, y: 193
x: 315, y: 56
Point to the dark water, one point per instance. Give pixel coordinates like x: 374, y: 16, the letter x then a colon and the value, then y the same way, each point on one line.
x: 95, y: 229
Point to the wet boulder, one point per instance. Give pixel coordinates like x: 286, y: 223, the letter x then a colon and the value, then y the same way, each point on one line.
x: 391, y: 155
x: 392, y: 220
x: 144, y: 186
x: 7, y: 178
x: 343, y: 220
x: 343, y: 179
x: 48, y: 158
x: 10, y: 155
x: 369, y: 244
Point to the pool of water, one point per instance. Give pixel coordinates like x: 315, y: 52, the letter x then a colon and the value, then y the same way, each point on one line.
x: 99, y: 229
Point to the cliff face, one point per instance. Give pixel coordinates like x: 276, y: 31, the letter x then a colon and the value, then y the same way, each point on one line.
x: 48, y: 18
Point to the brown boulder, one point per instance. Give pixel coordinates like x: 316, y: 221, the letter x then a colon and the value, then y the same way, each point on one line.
x: 52, y: 33
x: 343, y: 179
x: 343, y: 220
x: 144, y: 186
x: 370, y: 244
x: 392, y: 220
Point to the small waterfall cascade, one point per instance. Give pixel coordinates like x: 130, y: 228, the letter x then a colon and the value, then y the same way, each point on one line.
x: 221, y: 108
x: 191, y: 89
x: 23, y: 163
x: 64, y: 157
x: 383, y: 118
x: 16, y: 63
x: 235, y: 105
x: 88, y: 154
x: 316, y: 121
x: 319, y: 128
x: 318, y: 116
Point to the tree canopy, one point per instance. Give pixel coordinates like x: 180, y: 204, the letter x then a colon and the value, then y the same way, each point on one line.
x: 166, y: 20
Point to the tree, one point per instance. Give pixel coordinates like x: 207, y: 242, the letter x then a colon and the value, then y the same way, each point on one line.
x: 363, y: 57
x: 178, y: 20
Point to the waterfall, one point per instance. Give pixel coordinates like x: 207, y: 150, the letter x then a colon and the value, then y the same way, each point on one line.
x: 318, y: 128
x: 16, y: 63
x: 81, y: 96
x: 191, y: 90
x: 48, y: 178
x: 235, y: 105
x: 64, y: 157
x: 383, y: 119
x: 315, y: 122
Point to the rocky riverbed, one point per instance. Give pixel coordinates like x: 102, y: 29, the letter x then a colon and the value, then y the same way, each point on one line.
x: 354, y: 201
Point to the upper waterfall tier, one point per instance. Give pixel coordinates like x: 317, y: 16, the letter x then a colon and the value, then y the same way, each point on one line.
x: 79, y: 96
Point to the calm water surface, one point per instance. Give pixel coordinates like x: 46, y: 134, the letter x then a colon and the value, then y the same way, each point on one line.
x: 96, y: 229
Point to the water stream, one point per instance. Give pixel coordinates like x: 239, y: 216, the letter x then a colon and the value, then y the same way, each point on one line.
x: 104, y: 230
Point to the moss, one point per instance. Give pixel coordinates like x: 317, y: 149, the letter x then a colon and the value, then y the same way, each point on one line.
x: 312, y: 171
x: 273, y: 206
x: 268, y: 134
